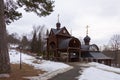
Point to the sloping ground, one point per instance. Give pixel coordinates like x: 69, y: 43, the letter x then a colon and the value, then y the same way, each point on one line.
x: 44, y: 65
x: 100, y: 71
x: 49, y: 67
x: 95, y: 70
x: 90, y: 71
x: 69, y: 75
x: 93, y: 73
x: 105, y: 67
x: 18, y: 74
x: 49, y: 75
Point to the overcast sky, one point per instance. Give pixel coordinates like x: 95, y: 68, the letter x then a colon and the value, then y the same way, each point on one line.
x: 102, y: 17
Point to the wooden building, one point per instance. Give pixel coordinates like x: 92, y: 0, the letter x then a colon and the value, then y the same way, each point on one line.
x: 61, y: 46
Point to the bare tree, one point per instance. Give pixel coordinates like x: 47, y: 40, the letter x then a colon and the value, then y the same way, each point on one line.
x: 115, y: 45
x: 38, y: 39
x: 106, y: 48
x: 81, y: 40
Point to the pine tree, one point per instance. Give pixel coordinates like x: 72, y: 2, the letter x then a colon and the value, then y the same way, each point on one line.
x: 24, y: 42
x: 34, y: 43
x: 8, y: 14
x: 47, y: 33
x: 39, y: 7
x: 4, y: 56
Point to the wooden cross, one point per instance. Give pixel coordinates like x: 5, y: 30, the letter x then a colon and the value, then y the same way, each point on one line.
x: 58, y: 17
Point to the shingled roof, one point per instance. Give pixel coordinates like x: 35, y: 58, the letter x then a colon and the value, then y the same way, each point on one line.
x: 98, y: 55
x: 85, y: 47
x: 95, y: 55
x: 64, y: 43
x: 55, y: 31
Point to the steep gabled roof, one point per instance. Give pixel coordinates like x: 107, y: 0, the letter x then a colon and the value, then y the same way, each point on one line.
x: 55, y: 31
x: 59, y: 31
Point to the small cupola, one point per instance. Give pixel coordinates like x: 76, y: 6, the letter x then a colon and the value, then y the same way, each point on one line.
x: 58, y: 24
x: 87, y: 38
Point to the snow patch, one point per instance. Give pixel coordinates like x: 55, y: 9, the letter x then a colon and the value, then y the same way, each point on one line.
x: 52, y: 68
x: 4, y: 75
x: 99, y: 71
x: 105, y: 67
x: 93, y: 73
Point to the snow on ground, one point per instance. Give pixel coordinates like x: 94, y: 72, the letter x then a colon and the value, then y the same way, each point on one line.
x: 13, y: 45
x: 95, y: 71
x: 52, y: 68
x: 100, y: 71
x: 45, y: 65
x: 15, y: 57
x: 105, y: 67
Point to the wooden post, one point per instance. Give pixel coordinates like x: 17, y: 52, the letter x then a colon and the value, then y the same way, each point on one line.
x: 92, y: 60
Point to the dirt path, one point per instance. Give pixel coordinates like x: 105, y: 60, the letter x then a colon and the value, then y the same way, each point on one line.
x: 69, y: 75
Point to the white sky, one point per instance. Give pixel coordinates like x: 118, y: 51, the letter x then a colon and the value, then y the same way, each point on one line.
x: 103, y: 17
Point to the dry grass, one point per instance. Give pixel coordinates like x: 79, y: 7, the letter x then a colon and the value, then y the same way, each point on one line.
x: 18, y: 74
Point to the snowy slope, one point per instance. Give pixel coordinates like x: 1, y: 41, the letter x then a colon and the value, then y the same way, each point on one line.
x: 105, y: 67
x: 44, y: 65
x: 52, y: 68
x: 98, y: 71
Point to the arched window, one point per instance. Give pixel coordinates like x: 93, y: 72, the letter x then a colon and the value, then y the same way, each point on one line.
x: 74, y: 43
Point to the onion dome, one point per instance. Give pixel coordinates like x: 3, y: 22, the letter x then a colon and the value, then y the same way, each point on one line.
x: 58, y: 25
x: 87, y: 40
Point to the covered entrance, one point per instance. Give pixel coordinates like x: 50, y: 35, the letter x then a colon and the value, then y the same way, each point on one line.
x: 71, y: 49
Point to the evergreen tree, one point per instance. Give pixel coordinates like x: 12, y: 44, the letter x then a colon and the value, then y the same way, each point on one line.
x: 8, y: 14
x: 24, y: 42
x: 38, y: 44
x: 4, y: 56
x: 13, y: 38
x: 34, y: 43
x: 47, y: 33
x: 10, y: 11
x: 39, y: 7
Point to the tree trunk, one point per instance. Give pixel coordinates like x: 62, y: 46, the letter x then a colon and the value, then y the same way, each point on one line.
x: 4, y: 56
